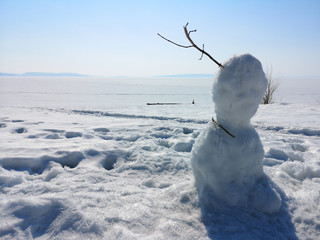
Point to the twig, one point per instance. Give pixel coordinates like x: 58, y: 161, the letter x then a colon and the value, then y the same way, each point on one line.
x: 174, y: 42
x: 202, y: 52
x: 187, y: 33
x: 194, y: 45
x: 218, y: 124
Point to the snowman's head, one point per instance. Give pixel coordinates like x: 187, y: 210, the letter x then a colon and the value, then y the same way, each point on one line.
x: 238, y: 89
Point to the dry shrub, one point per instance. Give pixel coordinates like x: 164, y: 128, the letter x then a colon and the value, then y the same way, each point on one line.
x: 271, y: 88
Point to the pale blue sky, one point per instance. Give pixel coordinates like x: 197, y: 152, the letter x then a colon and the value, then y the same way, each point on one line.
x: 119, y: 38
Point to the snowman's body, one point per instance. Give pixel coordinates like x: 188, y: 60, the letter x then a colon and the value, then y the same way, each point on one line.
x: 231, y: 167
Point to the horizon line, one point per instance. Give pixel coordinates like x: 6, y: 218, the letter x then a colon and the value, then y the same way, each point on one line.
x: 184, y: 75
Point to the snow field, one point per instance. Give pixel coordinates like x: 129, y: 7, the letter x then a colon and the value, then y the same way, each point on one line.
x: 73, y: 172
x: 101, y: 182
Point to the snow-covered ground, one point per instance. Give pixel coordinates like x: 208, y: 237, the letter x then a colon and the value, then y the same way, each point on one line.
x: 84, y: 158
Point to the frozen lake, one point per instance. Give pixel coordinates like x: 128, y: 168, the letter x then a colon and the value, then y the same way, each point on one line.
x: 114, y: 93
x: 123, y: 95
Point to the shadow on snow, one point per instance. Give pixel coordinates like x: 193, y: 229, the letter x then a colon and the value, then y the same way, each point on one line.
x: 225, y: 222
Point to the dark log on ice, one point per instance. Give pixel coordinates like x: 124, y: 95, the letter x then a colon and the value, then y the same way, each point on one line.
x: 163, y: 103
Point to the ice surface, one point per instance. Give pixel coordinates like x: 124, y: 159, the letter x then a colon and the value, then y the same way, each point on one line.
x: 128, y: 174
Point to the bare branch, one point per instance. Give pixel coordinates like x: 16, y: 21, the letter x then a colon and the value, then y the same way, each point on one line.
x: 187, y: 33
x: 174, y: 42
x: 195, y: 46
x: 271, y: 88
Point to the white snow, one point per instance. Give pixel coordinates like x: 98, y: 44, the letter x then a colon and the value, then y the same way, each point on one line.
x: 231, y: 166
x: 88, y: 159
x: 238, y: 90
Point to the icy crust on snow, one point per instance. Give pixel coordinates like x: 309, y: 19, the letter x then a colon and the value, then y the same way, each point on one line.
x: 231, y: 167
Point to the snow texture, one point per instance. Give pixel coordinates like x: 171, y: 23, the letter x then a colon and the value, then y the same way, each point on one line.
x: 86, y: 158
x: 232, y: 166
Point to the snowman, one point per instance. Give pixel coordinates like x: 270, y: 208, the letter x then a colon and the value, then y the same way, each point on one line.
x: 227, y: 156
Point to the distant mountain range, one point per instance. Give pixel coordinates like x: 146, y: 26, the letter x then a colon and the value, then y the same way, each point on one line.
x: 43, y: 74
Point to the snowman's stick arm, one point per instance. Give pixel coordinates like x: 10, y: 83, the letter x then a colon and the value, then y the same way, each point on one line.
x: 179, y: 45
x: 187, y: 33
x: 218, y: 124
x: 195, y: 46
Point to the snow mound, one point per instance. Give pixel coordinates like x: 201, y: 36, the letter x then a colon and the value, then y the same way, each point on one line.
x: 231, y: 167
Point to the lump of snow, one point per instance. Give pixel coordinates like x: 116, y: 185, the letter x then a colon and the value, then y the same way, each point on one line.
x: 20, y: 130
x: 231, y: 167
x: 183, y: 146
x: 52, y: 136
x: 54, y: 171
x: 101, y: 130
x: 32, y: 165
x: 38, y: 165
x: 73, y: 134
x: 7, y: 179
x: 277, y: 154
x: 187, y: 130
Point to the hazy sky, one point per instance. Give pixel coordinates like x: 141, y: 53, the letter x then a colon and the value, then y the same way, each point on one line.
x: 119, y: 38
